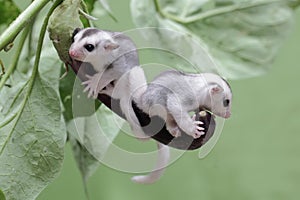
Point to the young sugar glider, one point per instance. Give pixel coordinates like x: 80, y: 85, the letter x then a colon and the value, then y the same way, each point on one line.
x: 110, y: 53
x: 173, y: 94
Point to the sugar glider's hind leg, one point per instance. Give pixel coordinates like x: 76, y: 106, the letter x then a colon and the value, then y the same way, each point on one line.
x: 182, y: 117
x: 162, y: 162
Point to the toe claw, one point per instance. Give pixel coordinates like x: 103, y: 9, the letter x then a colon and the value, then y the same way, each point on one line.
x: 198, y: 122
x: 200, y: 128
x: 86, y: 89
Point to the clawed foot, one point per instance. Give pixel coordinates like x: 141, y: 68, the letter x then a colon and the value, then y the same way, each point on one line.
x: 92, y: 86
x: 198, y: 131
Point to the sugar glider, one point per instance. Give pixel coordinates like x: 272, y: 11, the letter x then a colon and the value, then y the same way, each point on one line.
x: 173, y: 94
x: 110, y: 53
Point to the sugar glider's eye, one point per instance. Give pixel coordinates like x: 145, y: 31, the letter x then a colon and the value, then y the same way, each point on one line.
x: 226, y: 102
x: 89, y: 47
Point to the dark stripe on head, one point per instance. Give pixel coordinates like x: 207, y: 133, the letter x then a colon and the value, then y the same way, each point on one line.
x: 75, y: 32
x: 226, y: 83
x: 89, y: 32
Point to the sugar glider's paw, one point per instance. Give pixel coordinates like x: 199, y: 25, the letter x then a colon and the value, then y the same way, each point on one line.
x: 91, y: 86
x: 197, y: 131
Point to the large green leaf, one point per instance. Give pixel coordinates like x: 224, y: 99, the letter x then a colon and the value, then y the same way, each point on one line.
x: 62, y: 23
x: 32, y: 143
x: 94, y: 135
x: 86, y: 162
x: 239, y: 38
x: 90, y: 138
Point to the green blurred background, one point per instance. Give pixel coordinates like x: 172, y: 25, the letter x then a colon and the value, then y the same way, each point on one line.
x: 257, y: 156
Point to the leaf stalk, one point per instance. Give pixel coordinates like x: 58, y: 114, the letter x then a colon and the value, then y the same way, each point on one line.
x: 22, y: 20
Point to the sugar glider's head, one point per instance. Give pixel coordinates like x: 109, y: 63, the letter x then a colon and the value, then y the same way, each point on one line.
x: 219, y: 95
x: 91, y: 45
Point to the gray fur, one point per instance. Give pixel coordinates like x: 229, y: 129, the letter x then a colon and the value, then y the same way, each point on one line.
x: 173, y: 94
x: 110, y: 64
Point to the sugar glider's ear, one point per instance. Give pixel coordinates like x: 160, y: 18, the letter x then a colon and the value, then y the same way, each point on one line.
x: 215, y: 89
x: 75, y: 32
x: 110, y: 45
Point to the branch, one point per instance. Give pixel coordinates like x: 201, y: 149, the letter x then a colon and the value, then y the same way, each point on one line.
x: 15, y: 59
x: 22, y: 20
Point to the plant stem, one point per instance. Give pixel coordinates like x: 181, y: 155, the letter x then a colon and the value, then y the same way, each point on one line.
x: 86, y: 10
x: 41, y: 40
x: 22, y: 20
x: 15, y: 59
x: 34, y: 73
x: 218, y: 11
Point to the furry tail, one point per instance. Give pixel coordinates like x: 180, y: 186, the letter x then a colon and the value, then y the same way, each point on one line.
x: 137, y: 83
x: 162, y: 162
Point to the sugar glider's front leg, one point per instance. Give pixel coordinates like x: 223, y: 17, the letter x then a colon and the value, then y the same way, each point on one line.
x: 97, y: 82
x: 182, y: 118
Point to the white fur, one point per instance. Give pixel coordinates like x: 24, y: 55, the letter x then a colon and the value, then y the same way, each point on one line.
x: 162, y: 161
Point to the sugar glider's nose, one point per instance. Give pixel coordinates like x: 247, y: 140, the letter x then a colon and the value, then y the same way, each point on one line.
x: 73, y: 53
x: 227, y: 114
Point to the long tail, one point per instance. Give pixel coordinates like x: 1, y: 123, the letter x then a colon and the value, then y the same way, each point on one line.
x: 161, y: 164
x: 138, y: 85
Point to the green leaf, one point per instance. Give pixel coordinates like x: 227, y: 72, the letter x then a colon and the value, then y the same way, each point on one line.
x: 94, y: 135
x: 233, y: 38
x: 8, y: 11
x: 50, y: 69
x: 32, y: 143
x: 62, y: 23
x: 106, y: 7
x: 2, y: 197
x: 75, y: 102
x: 86, y: 162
